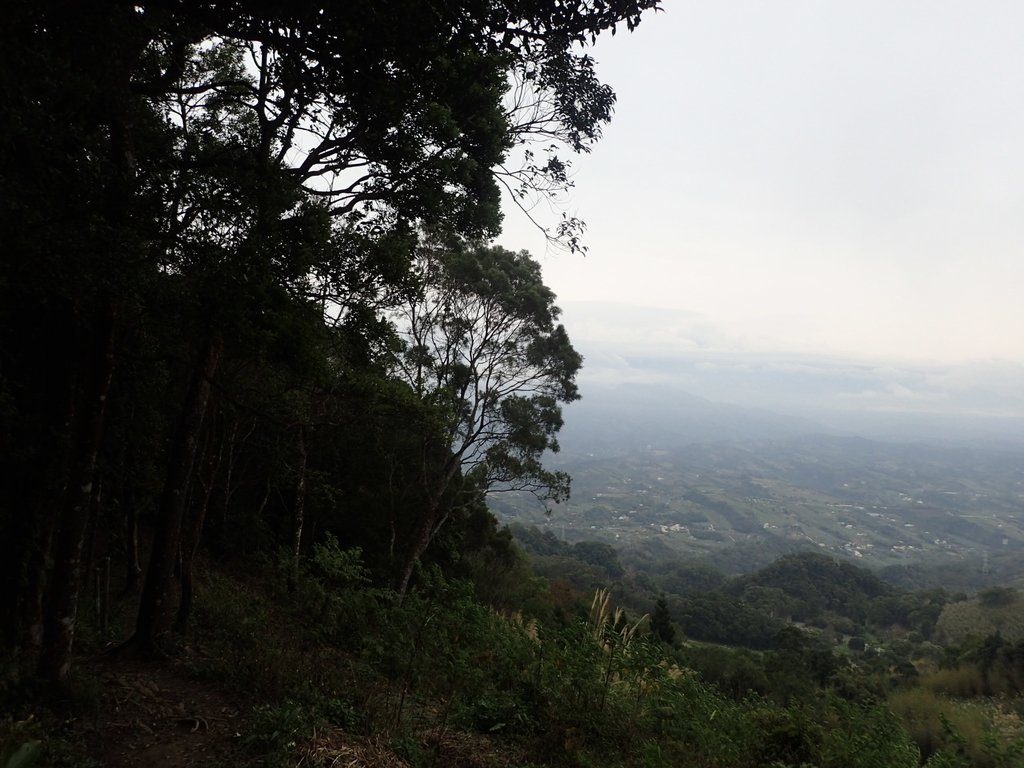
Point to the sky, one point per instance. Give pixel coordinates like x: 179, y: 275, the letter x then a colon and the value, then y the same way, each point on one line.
x: 826, y: 186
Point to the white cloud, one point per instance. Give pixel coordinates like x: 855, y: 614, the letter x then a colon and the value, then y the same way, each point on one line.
x: 642, y: 346
x: 894, y: 397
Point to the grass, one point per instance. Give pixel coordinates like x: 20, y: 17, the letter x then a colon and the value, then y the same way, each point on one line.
x: 986, y: 732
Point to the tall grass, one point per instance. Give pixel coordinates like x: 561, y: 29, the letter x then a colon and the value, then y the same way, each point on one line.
x: 980, y: 732
x: 426, y: 671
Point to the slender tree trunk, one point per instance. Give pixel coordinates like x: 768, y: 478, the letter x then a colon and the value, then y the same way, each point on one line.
x: 90, y: 528
x: 128, y: 516
x: 133, y: 568
x: 220, y: 532
x: 421, y: 540
x: 268, y: 487
x: 189, y: 546
x: 153, y: 619
x: 61, y: 608
x: 431, y: 522
x: 35, y: 593
x: 300, y: 506
x: 192, y: 534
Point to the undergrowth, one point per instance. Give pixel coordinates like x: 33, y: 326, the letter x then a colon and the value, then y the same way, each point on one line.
x: 335, y: 669
x: 437, y: 668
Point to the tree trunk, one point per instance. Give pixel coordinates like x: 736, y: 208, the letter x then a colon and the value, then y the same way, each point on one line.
x: 300, y: 506
x: 61, y: 608
x: 431, y: 522
x: 424, y: 534
x: 35, y: 592
x: 192, y: 534
x: 132, y: 566
x: 220, y: 522
x: 127, y: 523
x: 36, y: 485
x: 91, y: 525
x: 153, y: 619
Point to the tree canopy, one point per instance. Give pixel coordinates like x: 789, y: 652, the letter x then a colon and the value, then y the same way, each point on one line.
x: 479, y: 341
x: 213, y: 214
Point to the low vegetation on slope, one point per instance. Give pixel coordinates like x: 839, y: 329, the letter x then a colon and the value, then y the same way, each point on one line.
x: 328, y: 666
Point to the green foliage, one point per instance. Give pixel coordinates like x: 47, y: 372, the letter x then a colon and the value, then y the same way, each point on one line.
x: 276, y: 730
x: 597, y: 691
x: 990, y: 666
x: 336, y: 568
x: 961, y: 620
x: 594, y: 691
x: 980, y: 733
x: 737, y: 673
x: 537, y: 542
x: 683, y: 577
x: 818, y: 583
x: 721, y: 618
x: 994, y: 597
x: 334, y: 586
x: 598, y: 554
x: 661, y: 622
x: 947, y: 759
x: 19, y: 747
x: 45, y: 738
x: 480, y: 342
x: 865, y: 736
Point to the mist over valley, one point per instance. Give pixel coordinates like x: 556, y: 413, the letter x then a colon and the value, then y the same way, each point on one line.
x: 661, y: 473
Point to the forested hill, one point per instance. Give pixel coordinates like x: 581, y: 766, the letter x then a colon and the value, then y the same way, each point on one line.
x: 747, y: 610
x: 817, y: 583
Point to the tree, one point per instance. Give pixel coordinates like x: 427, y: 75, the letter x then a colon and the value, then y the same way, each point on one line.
x: 480, y: 342
x: 600, y: 554
x: 661, y: 622
x: 391, y: 109
x: 209, y: 156
x: 68, y: 278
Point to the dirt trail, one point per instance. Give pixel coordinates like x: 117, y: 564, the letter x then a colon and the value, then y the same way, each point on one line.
x: 155, y: 715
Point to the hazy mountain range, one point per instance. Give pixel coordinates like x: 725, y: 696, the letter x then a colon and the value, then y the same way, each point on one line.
x: 613, y: 419
x: 642, y: 360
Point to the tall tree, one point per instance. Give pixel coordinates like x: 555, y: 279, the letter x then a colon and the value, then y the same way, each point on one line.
x: 210, y: 156
x: 661, y: 621
x: 481, y: 343
x: 76, y: 229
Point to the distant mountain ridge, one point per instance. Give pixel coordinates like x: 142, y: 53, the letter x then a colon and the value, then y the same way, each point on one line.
x: 613, y: 420
x: 616, y: 418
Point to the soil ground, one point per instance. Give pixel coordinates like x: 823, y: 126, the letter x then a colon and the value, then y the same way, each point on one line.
x: 156, y: 715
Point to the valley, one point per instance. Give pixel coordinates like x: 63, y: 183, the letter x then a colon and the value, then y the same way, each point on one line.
x: 882, y: 504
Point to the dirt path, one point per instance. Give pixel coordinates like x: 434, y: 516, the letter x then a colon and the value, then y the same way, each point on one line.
x: 155, y: 715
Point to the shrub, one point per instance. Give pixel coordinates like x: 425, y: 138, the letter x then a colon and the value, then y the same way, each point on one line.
x: 276, y: 731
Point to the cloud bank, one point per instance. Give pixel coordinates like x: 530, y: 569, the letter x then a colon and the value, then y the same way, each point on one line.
x: 625, y: 345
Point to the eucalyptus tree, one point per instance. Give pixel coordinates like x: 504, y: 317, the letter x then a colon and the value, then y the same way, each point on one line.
x: 481, y: 344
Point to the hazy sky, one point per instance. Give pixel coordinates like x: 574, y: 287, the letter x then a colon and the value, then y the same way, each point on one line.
x: 794, y: 179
